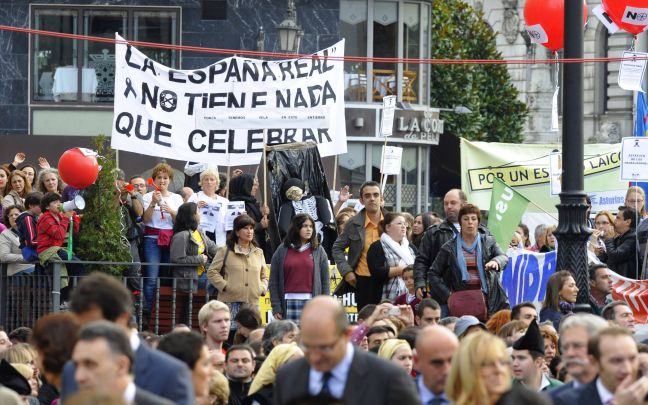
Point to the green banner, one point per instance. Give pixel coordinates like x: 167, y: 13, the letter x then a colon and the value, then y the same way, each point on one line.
x: 525, y: 168
x: 506, y: 209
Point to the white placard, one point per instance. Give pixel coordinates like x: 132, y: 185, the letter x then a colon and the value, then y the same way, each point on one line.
x: 211, y: 216
x: 632, y: 71
x: 555, y: 172
x: 389, y: 106
x: 555, y: 122
x: 537, y: 34
x: 635, y: 16
x: 391, y: 159
x: 634, y: 159
x: 607, y: 200
x: 605, y: 19
x: 234, y: 209
x: 219, y: 113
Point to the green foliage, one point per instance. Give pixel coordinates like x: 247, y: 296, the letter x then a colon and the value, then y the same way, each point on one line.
x: 460, y: 32
x: 101, y: 237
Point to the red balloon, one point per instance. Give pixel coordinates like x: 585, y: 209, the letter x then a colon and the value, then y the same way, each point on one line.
x: 629, y: 15
x: 78, y: 167
x: 545, y: 22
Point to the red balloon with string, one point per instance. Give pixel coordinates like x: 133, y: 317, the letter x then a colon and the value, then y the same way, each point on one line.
x: 78, y: 167
x: 629, y: 15
x: 544, y: 21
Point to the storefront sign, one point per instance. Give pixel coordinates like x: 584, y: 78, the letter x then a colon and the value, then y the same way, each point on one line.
x: 423, y: 125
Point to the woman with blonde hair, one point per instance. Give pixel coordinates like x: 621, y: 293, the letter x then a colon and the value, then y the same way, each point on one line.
x: 262, y: 386
x: 548, y: 240
x: 211, y: 204
x: 480, y: 373
x: 397, y: 351
x: 16, y: 189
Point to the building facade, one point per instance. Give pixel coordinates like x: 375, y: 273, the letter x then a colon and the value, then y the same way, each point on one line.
x: 608, y: 109
x: 56, y: 86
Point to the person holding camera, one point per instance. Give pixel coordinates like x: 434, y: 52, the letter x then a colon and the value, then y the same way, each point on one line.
x: 388, y: 257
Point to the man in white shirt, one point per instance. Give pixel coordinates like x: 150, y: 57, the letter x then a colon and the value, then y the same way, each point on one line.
x: 435, y: 346
x: 104, y: 362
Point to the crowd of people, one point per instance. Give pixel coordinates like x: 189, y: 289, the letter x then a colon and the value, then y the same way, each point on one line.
x: 434, y: 323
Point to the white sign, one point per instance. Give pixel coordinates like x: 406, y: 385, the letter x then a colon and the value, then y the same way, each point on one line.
x: 391, y: 159
x: 634, y: 159
x: 211, y: 216
x: 555, y: 172
x: 555, y: 122
x: 234, y: 209
x: 607, y: 200
x: 389, y: 106
x: 605, y: 19
x: 632, y: 71
x: 537, y: 34
x: 635, y: 16
x: 218, y: 113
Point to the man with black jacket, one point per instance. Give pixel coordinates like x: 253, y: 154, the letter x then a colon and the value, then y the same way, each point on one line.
x: 621, y: 252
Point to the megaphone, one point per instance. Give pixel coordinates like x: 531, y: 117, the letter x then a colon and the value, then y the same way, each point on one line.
x: 77, y: 203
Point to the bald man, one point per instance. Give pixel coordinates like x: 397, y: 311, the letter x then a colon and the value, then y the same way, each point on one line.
x: 333, y: 367
x: 435, y: 346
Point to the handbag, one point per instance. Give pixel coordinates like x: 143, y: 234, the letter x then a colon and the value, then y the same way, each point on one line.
x: 164, y: 237
x: 468, y: 302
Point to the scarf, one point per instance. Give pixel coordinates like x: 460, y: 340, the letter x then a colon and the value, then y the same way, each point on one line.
x: 396, y: 254
x: 301, y: 248
x: 566, y: 308
x: 475, y: 247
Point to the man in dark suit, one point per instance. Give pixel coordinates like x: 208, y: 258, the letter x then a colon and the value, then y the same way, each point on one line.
x: 614, y: 351
x: 103, y: 359
x: 102, y: 297
x: 435, y: 347
x: 333, y: 367
x: 575, y: 332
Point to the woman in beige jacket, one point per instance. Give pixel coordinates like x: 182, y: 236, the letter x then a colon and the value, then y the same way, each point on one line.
x: 238, y: 271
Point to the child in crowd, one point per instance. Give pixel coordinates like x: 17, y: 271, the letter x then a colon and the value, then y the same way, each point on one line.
x: 26, y: 224
x: 409, y: 297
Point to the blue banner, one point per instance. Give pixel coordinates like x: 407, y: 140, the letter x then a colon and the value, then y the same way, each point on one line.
x: 526, y: 275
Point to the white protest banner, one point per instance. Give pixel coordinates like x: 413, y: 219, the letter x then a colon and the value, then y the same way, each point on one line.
x: 632, y: 71
x: 388, y: 108
x: 392, y: 157
x: 634, y: 158
x: 234, y: 209
x: 218, y: 114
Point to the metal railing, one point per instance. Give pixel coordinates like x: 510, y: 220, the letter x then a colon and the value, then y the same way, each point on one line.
x: 26, y: 297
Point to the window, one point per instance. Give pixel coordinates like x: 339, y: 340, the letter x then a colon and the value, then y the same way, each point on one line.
x: 71, y: 71
x: 387, y: 29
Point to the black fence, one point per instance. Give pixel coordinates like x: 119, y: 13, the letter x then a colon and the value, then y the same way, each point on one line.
x: 26, y: 297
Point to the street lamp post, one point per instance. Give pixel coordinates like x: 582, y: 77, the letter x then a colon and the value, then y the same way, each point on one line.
x: 572, y: 232
x: 288, y: 31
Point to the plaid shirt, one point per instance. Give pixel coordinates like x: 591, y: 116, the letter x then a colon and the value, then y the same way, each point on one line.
x: 52, y: 229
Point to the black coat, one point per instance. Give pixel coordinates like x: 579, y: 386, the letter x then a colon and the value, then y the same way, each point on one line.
x: 621, y: 255
x: 433, y: 239
x: 445, y: 275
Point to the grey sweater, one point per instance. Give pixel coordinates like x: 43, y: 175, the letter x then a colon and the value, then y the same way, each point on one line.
x: 321, y: 283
